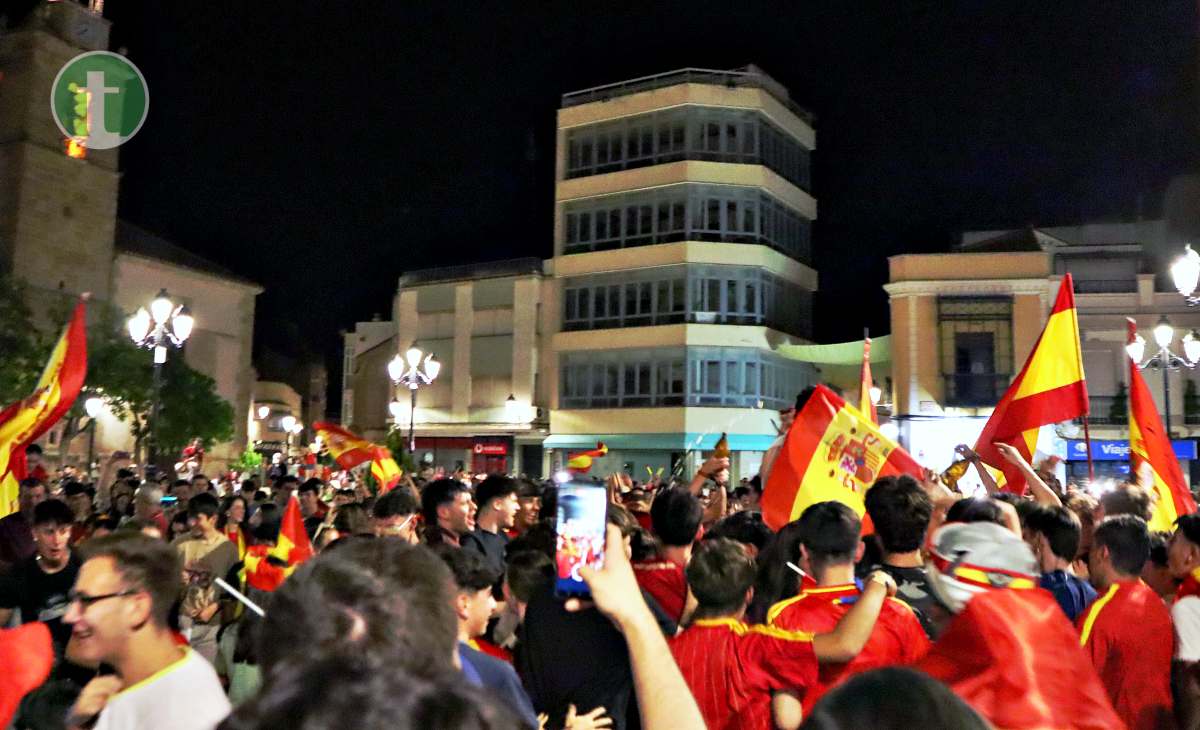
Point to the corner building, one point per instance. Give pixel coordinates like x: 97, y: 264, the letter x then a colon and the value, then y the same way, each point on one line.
x: 682, y: 258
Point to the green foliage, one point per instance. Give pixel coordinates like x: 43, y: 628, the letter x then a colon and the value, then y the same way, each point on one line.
x: 397, y: 443
x: 1118, y: 412
x: 249, y: 461
x: 23, y: 349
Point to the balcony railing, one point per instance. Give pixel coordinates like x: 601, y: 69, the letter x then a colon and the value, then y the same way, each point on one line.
x: 1105, y: 286
x: 975, y: 389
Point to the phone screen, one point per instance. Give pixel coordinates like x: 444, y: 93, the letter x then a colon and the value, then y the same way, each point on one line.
x: 582, y: 508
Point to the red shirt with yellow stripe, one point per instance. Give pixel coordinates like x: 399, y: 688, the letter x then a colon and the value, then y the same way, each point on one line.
x: 732, y: 668
x: 1128, y: 636
x: 896, y: 639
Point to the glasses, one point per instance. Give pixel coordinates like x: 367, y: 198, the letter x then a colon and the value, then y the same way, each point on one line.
x: 85, y: 601
x: 397, y: 529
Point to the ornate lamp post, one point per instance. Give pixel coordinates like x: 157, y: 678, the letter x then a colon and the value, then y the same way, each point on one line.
x: 1165, y: 360
x: 165, y: 324
x: 412, y: 373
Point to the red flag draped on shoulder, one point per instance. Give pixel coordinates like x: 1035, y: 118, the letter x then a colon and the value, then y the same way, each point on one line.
x: 25, y: 421
x: 831, y: 452
x: 349, y: 450
x: 291, y: 548
x: 1049, y: 389
x: 1149, y: 444
x: 865, y: 404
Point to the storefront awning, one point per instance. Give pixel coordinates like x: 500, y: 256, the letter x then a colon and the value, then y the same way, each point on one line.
x: 839, y: 353
x: 660, y: 441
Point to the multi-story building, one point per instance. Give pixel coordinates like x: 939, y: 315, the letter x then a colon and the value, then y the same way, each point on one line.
x: 964, y: 322
x: 682, y: 263
x: 682, y: 257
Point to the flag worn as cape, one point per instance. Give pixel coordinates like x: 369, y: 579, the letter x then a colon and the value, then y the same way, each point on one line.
x: 25, y: 421
x: 865, y: 405
x: 831, y: 452
x: 1013, y: 656
x: 1049, y: 389
x: 1150, y: 444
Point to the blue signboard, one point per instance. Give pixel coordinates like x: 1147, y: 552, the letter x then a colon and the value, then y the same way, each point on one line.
x: 1105, y: 450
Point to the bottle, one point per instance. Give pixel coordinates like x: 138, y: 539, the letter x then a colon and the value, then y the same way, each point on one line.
x: 954, y: 472
x: 721, y: 450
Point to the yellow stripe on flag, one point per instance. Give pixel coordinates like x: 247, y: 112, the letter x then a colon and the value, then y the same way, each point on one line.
x: 1054, y: 368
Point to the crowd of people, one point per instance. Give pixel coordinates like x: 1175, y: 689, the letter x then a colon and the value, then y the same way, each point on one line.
x: 432, y: 605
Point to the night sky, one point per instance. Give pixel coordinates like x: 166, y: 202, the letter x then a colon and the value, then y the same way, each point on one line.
x: 324, y: 150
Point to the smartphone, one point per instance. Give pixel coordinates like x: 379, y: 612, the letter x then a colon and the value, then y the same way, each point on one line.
x: 582, y: 511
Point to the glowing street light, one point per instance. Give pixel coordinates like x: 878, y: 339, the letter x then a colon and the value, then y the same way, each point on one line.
x: 1164, y: 360
x: 410, y: 372
x: 165, y: 324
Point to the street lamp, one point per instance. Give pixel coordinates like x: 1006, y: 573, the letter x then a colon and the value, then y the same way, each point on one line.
x: 93, y: 406
x: 410, y: 372
x: 165, y: 324
x: 263, y: 412
x: 1164, y: 360
x: 1186, y: 274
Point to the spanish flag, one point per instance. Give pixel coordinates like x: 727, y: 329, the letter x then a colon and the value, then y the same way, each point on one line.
x: 1049, y: 389
x: 27, y: 420
x: 293, y: 545
x: 581, y: 463
x: 832, y: 452
x: 348, y: 449
x: 865, y: 405
x: 384, y: 468
x: 265, y: 568
x: 1149, y: 444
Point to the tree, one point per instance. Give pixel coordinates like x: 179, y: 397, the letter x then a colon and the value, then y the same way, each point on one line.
x: 24, y: 349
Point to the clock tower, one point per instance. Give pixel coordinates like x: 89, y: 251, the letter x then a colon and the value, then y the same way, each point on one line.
x: 58, y: 203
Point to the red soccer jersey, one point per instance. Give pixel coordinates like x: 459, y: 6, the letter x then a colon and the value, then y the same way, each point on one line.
x: 1127, y: 633
x: 666, y: 582
x: 897, y: 638
x: 732, y: 668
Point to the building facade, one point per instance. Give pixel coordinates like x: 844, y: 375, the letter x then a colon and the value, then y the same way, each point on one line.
x: 683, y: 257
x: 963, y: 324
x: 60, y: 235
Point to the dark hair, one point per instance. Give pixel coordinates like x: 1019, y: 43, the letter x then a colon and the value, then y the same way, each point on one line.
x: 383, y: 599
x: 1059, y: 526
x: 180, y: 518
x: 310, y: 485
x: 1127, y: 499
x: 495, y: 485
x: 396, y: 503
x: 1127, y: 540
x: 199, y: 476
x: 1158, y: 548
x: 345, y: 691
x: 775, y: 580
x: 30, y: 483
x: 470, y: 569
x: 74, y: 489
x: 1189, y: 525
x: 830, y: 533
x: 538, y: 538
x: 180, y: 483
x: 287, y: 479
x: 145, y: 564
x: 437, y: 493
x: 528, y: 489
x: 976, y: 509
x: 248, y: 484
x: 103, y: 522
x: 123, y: 474
x: 620, y: 517
x: 226, y: 505
x: 527, y: 572
x: 53, y: 511
x: 900, y: 510
x: 352, y: 519
x: 33, y: 449
x: 892, y: 698
x: 203, y: 504
x: 719, y: 574
x: 676, y: 514
x: 756, y: 484
x: 747, y: 528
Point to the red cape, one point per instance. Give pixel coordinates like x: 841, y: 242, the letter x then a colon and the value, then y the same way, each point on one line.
x: 1014, y: 657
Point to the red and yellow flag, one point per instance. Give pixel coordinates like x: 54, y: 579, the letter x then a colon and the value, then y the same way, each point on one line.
x: 1049, y: 389
x: 25, y: 421
x: 581, y: 463
x: 384, y: 468
x: 348, y: 449
x: 293, y: 545
x: 866, y: 406
x: 1150, y: 444
x: 832, y: 452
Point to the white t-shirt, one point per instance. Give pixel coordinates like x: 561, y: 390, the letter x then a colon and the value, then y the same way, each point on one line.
x: 1185, y: 614
x: 184, y: 696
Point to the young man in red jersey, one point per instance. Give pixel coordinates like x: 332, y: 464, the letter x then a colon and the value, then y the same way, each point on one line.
x: 830, y: 546
x: 731, y: 667
x: 676, y: 515
x: 1127, y: 631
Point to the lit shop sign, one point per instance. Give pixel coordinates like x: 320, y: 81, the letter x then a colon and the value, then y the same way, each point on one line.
x: 1119, y: 450
x: 491, y: 449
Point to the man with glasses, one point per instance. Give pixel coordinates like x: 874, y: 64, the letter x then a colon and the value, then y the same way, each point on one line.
x: 395, y: 515
x: 118, y: 617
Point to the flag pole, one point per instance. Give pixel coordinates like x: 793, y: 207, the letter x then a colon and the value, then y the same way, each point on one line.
x: 1087, y: 437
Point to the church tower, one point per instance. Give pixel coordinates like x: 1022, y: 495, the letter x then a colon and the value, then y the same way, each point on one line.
x: 58, y: 205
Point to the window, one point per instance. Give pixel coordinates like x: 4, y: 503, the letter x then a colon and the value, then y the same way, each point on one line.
x: 976, y: 348
x: 711, y: 376
x: 688, y: 211
x: 693, y: 132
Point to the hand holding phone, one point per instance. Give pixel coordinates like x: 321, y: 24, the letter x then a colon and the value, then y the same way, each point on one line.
x: 580, y: 540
